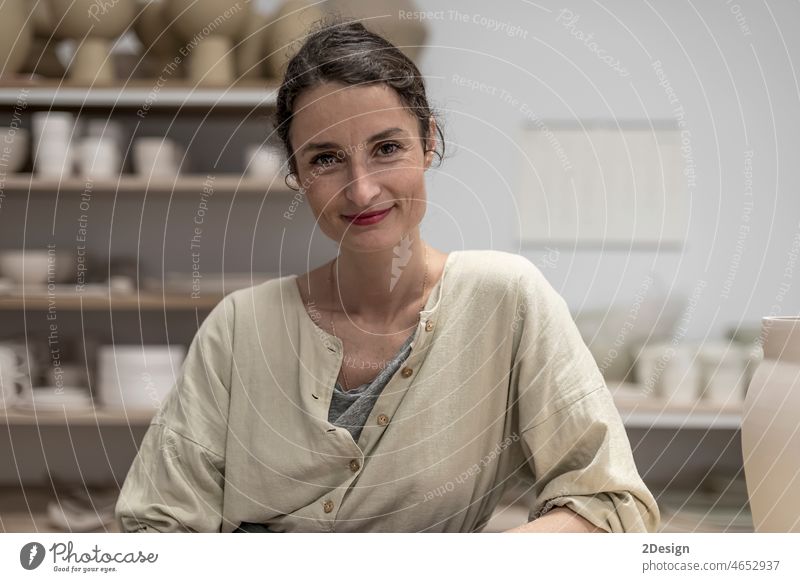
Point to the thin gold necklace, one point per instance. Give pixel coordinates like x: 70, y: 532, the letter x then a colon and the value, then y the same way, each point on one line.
x: 333, y: 326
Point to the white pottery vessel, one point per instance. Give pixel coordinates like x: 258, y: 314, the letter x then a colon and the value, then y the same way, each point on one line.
x: 771, y: 431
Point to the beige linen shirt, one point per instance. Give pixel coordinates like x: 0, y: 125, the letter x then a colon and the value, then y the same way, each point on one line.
x: 498, y: 387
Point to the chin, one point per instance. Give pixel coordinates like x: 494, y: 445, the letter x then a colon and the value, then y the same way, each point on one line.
x: 373, y: 240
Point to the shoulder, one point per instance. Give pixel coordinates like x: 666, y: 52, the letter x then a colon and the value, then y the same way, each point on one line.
x: 501, y: 276
x: 498, y: 268
x: 266, y: 293
x: 255, y: 302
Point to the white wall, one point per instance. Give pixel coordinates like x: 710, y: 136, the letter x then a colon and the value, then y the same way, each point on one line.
x: 736, y: 81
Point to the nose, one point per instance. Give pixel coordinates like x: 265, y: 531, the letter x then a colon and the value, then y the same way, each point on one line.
x: 363, y: 187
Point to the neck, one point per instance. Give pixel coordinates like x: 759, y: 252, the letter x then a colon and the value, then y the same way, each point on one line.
x: 381, y: 286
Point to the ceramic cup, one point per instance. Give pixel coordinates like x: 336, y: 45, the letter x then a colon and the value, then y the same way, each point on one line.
x: 723, y: 367
x: 14, y: 142
x: 11, y: 377
x: 98, y: 157
x: 156, y: 157
x: 52, y: 124
x: 67, y: 375
x: 681, y: 378
x: 52, y: 135
x: 669, y: 372
x: 263, y: 161
x: 105, y: 128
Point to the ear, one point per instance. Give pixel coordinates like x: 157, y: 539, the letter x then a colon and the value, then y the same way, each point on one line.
x: 291, y: 180
x: 431, y: 142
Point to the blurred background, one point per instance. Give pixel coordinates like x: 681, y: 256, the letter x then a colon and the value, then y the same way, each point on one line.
x: 643, y: 156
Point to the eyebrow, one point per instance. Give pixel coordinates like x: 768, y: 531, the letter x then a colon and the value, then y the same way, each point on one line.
x: 311, y: 147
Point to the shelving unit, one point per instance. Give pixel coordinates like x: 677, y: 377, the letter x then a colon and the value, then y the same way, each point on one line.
x: 658, y: 413
x: 653, y: 414
x: 85, y: 417
x: 96, y: 445
x: 95, y: 302
x: 177, y: 96
x: 661, y: 415
x: 138, y: 93
x: 130, y: 184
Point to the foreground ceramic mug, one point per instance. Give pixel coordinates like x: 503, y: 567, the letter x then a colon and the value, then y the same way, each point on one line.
x: 771, y: 431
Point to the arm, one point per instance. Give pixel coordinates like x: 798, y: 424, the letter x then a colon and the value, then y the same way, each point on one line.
x: 176, y: 482
x: 578, y: 452
x: 559, y: 520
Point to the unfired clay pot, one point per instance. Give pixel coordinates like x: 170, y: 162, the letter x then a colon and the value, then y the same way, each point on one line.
x: 250, y: 47
x: 383, y: 17
x: 93, y: 25
x: 287, y: 32
x: 16, y: 34
x: 294, y: 18
x: 42, y: 58
x: 209, y: 28
x: 161, y: 45
x: 771, y: 429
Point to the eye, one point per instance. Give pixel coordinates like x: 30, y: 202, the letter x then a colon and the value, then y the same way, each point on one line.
x: 394, y: 147
x: 324, y: 160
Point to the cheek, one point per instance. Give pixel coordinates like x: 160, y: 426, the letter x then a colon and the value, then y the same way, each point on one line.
x: 322, y: 190
x: 320, y: 201
x: 411, y: 187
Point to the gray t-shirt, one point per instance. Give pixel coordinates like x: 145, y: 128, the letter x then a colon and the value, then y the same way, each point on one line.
x: 350, y: 409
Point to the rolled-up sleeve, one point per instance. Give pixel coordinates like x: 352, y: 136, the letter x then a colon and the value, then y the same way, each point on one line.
x: 176, y: 482
x: 571, y: 432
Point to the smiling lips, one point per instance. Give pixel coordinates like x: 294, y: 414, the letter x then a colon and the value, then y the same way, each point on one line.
x: 368, y: 217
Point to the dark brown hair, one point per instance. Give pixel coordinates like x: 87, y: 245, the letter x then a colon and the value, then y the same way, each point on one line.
x: 344, y: 51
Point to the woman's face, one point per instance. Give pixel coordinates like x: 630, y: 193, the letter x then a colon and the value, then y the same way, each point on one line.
x: 358, y: 152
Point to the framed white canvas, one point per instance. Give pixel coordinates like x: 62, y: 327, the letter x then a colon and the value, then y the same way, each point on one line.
x: 600, y: 185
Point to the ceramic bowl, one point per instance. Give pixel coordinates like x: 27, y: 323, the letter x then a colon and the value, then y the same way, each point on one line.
x: 30, y: 267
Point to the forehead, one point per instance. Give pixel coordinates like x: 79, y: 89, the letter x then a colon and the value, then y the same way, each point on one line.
x: 347, y: 114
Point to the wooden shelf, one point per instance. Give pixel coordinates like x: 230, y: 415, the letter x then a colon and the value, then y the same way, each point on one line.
x: 83, y: 417
x: 128, y: 184
x: 138, y: 94
x: 118, y: 302
x: 658, y: 413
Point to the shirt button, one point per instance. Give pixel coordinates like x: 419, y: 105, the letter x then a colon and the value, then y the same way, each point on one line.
x: 429, y: 325
x: 383, y: 420
x: 355, y: 465
x: 407, y: 372
x: 327, y: 507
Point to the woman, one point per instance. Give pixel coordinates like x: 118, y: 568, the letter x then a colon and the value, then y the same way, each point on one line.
x: 397, y: 387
